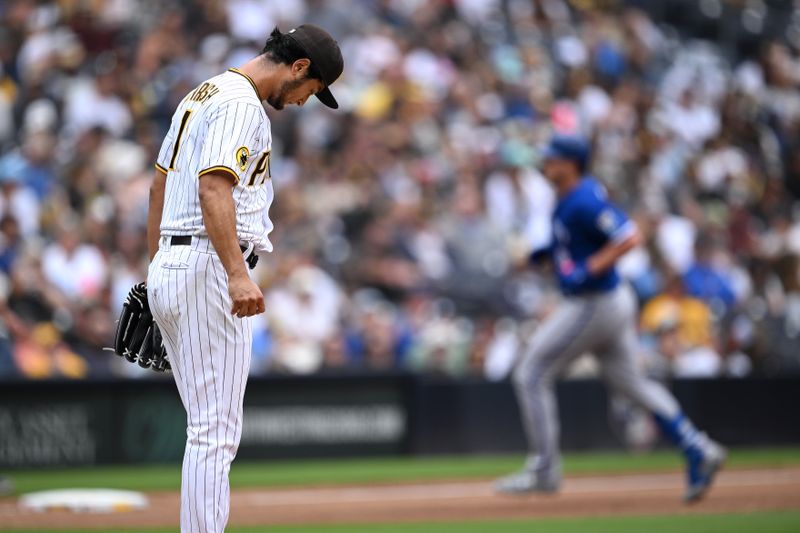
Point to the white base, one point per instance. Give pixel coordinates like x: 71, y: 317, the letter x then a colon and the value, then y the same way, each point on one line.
x: 84, y: 500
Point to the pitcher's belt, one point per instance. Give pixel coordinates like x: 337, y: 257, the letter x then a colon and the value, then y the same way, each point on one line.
x: 186, y: 240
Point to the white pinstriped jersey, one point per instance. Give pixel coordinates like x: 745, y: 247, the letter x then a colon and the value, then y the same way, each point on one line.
x: 220, y: 126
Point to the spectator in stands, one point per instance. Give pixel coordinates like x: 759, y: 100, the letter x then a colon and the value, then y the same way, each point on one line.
x: 10, y: 243
x: 303, y: 316
x: 682, y: 328
x: 778, y: 331
x: 72, y: 266
x: 705, y: 281
x: 376, y: 339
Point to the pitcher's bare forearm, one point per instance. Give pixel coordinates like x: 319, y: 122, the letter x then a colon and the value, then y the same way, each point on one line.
x: 219, y: 219
x: 154, y: 212
x: 605, y: 257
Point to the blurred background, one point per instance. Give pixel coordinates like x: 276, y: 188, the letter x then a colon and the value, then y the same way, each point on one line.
x: 403, y: 220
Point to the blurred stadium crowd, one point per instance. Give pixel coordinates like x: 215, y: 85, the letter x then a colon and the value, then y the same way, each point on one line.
x: 403, y: 221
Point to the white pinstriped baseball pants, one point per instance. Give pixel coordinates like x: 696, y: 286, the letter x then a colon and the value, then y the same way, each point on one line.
x: 209, y: 350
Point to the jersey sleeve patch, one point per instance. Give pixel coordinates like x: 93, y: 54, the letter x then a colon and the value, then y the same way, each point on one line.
x: 613, y: 223
x: 242, y: 156
x: 608, y: 221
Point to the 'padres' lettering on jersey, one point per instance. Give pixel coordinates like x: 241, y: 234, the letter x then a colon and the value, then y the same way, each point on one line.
x: 220, y: 126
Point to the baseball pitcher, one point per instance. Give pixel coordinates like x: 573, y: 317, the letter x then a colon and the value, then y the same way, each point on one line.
x: 207, y: 222
x: 598, y: 314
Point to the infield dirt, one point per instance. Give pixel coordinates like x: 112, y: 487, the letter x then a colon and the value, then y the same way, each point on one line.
x: 631, y: 494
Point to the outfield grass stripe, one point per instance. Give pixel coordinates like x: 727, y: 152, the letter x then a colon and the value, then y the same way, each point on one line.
x: 771, y: 522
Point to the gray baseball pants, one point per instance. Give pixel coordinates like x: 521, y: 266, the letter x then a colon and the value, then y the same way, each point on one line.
x: 603, y: 324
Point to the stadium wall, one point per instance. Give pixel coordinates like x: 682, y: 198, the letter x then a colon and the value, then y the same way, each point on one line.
x: 50, y: 424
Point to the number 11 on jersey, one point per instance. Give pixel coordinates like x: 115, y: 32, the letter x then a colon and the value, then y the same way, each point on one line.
x: 181, y: 129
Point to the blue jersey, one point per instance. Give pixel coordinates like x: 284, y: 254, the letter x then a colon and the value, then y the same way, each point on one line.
x: 583, y: 222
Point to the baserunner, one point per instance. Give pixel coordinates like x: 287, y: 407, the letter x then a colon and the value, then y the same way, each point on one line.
x: 598, y: 314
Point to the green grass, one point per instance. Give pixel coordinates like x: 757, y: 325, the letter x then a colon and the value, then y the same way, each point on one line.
x: 388, y: 470
x: 773, y: 522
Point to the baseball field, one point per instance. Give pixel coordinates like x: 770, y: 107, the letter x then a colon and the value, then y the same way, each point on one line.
x: 605, y: 492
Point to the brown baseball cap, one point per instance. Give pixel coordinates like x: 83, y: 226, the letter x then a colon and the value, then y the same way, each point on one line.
x: 325, y: 56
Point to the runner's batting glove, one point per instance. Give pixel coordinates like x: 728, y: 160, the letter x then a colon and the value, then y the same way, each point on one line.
x: 576, y: 277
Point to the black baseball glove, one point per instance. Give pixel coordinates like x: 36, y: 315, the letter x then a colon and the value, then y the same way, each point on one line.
x: 138, y: 338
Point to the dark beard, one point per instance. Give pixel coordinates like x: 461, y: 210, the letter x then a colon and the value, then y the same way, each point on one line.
x: 275, y: 103
x: 278, y: 100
